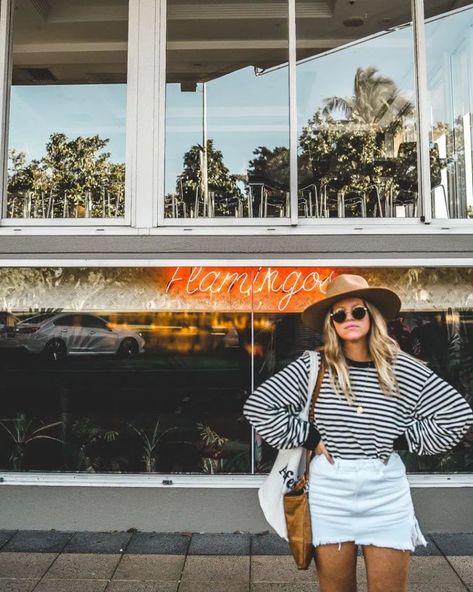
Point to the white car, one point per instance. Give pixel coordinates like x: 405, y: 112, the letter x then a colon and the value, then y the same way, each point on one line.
x: 74, y: 333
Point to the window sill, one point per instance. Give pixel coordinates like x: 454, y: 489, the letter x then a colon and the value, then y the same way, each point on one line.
x: 217, y: 227
x: 193, y: 481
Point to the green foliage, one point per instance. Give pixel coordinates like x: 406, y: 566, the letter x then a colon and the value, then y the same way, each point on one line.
x: 74, y: 178
x: 338, y: 152
x: 271, y: 164
x: 150, y: 439
x: 22, y: 431
x: 89, y: 436
x: 191, y: 182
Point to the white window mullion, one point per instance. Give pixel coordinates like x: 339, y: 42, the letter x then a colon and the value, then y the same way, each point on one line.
x: 131, y: 112
x: 5, y: 69
x: 422, y: 95
x: 160, y: 120
x: 142, y: 152
x: 293, y: 172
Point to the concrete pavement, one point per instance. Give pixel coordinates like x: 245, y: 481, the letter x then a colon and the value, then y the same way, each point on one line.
x: 52, y: 561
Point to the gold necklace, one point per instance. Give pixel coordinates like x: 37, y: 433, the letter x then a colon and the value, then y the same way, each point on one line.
x: 359, y: 409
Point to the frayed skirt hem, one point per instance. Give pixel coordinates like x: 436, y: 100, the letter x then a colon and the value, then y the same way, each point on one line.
x: 417, y: 538
x: 381, y: 544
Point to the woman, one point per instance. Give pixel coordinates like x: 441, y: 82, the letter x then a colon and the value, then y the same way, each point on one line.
x: 372, y: 397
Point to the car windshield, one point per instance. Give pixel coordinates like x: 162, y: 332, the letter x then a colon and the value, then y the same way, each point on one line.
x: 39, y: 318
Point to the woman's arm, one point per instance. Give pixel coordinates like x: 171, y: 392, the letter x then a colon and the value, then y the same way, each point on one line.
x: 441, y: 417
x: 274, y: 408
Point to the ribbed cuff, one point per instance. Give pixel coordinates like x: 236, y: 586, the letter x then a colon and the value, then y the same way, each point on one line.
x: 401, y: 443
x: 313, y: 438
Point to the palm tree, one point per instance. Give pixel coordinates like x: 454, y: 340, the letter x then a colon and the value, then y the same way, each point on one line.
x: 376, y: 102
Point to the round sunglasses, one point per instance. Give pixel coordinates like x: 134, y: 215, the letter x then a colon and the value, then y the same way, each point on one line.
x: 358, y: 313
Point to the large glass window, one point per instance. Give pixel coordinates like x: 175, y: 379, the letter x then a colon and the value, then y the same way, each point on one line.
x: 450, y: 73
x: 356, y: 111
x: 227, y: 114
x: 146, y: 370
x: 66, y: 155
x: 127, y: 392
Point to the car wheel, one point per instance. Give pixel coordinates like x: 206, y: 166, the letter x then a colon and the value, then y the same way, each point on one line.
x: 55, y: 350
x: 128, y: 348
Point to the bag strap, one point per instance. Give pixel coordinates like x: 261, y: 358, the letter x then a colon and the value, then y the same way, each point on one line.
x: 318, y: 384
x: 315, y: 395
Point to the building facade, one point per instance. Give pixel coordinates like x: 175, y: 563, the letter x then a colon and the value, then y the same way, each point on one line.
x: 179, y: 181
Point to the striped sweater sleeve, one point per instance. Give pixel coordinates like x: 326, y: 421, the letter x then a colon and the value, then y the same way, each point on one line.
x: 441, y: 417
x: 274, y: 407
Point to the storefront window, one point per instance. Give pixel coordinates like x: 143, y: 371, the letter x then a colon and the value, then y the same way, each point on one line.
x: 66, y: 155
x: 146, y: 370
x: 450, y: 72
x: 356, y: 112
x: 227, y: 110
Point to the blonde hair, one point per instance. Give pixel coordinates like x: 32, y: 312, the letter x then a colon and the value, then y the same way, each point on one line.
x: 383, y: 350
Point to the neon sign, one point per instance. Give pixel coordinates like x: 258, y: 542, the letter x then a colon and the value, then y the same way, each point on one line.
x: 262, y: 289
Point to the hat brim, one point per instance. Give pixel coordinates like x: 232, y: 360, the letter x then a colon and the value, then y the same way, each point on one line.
x: 386, y: 301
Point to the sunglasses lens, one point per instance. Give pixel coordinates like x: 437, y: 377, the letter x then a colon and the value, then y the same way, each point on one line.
x: 339, y: 316
x: 358, y: 313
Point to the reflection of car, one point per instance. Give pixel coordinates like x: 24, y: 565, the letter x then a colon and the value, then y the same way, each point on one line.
x: 59, y: 334
x: 8, y: 332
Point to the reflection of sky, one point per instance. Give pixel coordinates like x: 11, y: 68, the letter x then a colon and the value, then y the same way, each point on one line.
x: 449, y: 67
x: 448, y: 63
x: 76, y: 110
x: 244, y: 111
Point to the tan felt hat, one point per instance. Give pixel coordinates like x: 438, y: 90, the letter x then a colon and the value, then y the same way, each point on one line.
x: 345, y: 285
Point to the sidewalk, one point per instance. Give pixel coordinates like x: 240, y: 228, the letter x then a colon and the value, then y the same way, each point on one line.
x: 52, y: 561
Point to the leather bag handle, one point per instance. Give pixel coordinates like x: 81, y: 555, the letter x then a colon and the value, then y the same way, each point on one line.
x: 315, y: 395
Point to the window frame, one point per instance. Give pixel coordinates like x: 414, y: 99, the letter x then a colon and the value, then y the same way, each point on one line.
x: 163, y: 222
x: 145, y: 145
x: 6, y: 63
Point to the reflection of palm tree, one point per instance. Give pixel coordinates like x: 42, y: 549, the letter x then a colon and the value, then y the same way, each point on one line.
x: 376, y: 102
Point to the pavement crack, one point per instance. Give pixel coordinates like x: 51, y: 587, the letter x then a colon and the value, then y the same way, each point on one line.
x: 465, y: 585
x: 53, y: 562
x: 186, y: 553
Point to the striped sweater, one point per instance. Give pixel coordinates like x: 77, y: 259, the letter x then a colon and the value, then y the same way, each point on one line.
x: 428, y: 412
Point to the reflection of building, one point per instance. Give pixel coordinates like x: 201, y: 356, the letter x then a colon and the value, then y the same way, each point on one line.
x: 212, y: 262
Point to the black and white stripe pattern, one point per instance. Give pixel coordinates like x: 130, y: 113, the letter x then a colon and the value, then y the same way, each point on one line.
x: 431, y: 414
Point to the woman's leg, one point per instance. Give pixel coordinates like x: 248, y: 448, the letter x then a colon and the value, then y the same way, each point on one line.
x: 336, y: 567
x: 387, y: 569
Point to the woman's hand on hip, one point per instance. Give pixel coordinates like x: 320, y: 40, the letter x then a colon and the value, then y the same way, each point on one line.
x: 321, y: 449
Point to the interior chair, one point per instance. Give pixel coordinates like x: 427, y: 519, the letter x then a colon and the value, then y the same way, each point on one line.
x: 381, y: 172
x: 265, y: 194
x: 308, y: 201
x: 339, y: 193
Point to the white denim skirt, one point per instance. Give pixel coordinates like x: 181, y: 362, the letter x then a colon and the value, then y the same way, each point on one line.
x: 365, y: 501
